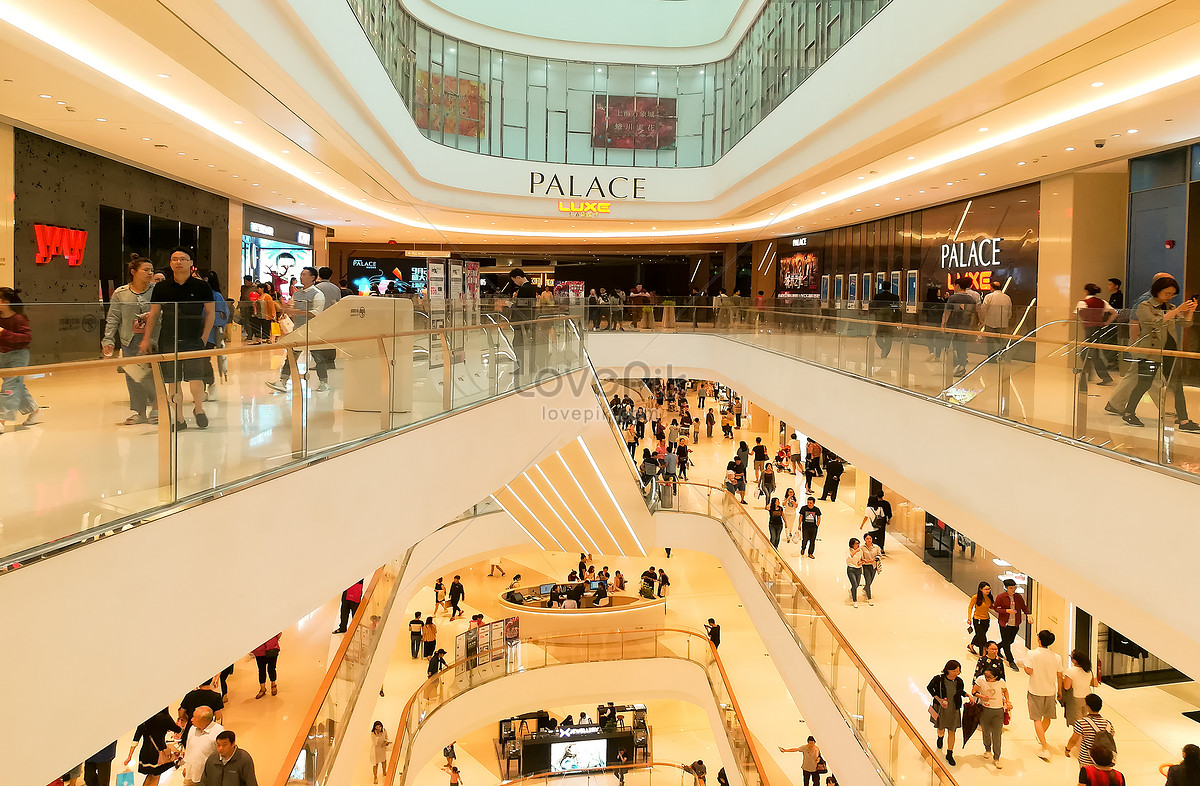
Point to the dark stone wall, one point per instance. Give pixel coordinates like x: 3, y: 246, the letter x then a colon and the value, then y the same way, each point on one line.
x: 61, y: 185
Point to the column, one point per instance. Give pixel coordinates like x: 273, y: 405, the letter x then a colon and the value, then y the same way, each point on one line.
x: 233, y: 273
x: 7, y: 190
x: 729, y: 268
x: 764, y: 275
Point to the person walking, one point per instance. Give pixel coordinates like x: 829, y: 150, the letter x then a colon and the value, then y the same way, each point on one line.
x: 415, y: 628
x: 960, y: 317
x: 885, y: 311
x: 774, y: 521
x: 1078, y: 682
x: 631, y: 440
x: 791, y: 515
x: 457, y: 593
x: 379, y: 750
x: 760, y: 458
x: 351, y: 597
x: 990, y: 659
x: 833, y: 478
x: 810, y: 520
x: 15, y: 337
x: 428, y: 637
x: 1159, y: 324
x: 1090, y: 731
x: 995, y: 314
x: 766, y: 483
x: 948, y: 691
x: 854, y: 568
x: 1187, y: 772
x: 1101, y: 772
x: 266, y: 655
x: 811, y: 763
x: 979, y: 617
x: 229, y: 765
x: 152, y: 734
x: 871, y: 555
x: 699, y: 771
x: 184, y: 326
x: 307, y: 302
x: 123, y: 330
x: 991, y: 692
x: 439, y: 596
x: 1010, y: 613
x: 1045, y: 687
x: 713, y: 630
x: 876, y: 517
x: 437, y: 662
x: 1095, y: 316
x: 201, y: 744
x: 216, y: 337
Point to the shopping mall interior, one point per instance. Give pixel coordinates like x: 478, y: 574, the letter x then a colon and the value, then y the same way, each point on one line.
x: 741, y: 392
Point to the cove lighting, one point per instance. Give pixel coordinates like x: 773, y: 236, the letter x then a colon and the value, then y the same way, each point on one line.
x: 611, y: 496
x: 517, y: 521
x: 571, y: 513
x: 535, y: 518
x: 561, y: 520
x: 38, y: 22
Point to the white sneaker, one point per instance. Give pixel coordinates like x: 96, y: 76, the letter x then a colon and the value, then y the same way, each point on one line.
x: 324, y: 387
x: 280, y: 387
x: 32, y: 417
x: 211, y: 393
x: 870, y: 602
x: 999, y: 766
x: 856, y: 604
x: 1044, y: 754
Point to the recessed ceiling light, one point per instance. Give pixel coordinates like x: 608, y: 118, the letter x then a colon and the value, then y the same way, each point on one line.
x: 1097, y: 84
x: 949, y: 183
x: 102, y: 120
x: 238, y: 122
x: 451, y: 49
x: 910, y: 158
x: 285, y: 152
x: 145, y: 139
x: 876, y: 204
x: 984, y: 128
x: 1020, y: 163
x: 896, y: 198
x: 45, y: 95
x: 164, y: 76
x: 182, y: 154
x: 237, y: 175
x: 1070, y: 149
x: 254, y: 184
x: 61, y: 103
x: 823, y: 193
x: 653, y: 73
x: 1115, y: 136
x: 983, y: 174
x: 212, y: 165
x: 922, y: 191
x: 858, y: 210
x: 1132, y: 131
x: 861, y: 177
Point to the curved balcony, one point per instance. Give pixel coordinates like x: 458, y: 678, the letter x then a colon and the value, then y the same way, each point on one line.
x: 519, y: 106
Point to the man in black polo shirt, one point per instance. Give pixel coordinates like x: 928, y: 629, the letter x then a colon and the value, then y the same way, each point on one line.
x: 522, y: 310
x: 185, y: 306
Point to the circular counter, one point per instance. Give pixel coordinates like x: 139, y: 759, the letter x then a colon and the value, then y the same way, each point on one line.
x: 623, y: 611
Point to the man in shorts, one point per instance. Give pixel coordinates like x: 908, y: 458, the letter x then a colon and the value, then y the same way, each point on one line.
x: 1045, y: 687
x: 184, y: 304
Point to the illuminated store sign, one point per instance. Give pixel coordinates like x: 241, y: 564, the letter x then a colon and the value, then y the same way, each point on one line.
x: 584, y: 208
x: 551, y: 184
x: 59, y: 242
x: 799, y: 241
x: 262, y: 229
x: 964, y: 259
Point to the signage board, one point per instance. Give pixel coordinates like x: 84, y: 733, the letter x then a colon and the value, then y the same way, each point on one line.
x: 633, y: 122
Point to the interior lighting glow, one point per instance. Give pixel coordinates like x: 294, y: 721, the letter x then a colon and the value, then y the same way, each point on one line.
x: 164, y: 76
x: 611, y: 496
x: 910, y: 158
x: 570, y: 512
x: 535, y: 518
x: 36, y: 22
x: 45, y: 95
x: 1132, y: 131
x: 561, y: 520
x: 1070, y: 150
x: 588, y: 500
x: 102, y: 120
x: 517, y: 522
x: 983, y: 129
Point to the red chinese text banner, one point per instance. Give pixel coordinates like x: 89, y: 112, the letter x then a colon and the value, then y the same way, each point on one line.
x: 633, y: 123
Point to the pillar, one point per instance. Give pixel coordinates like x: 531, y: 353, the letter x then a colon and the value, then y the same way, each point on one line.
x: 8, y: 274
x: 729, y: 268
x: 233, y: 273
x: 320, y: 255
x: 763, y: 274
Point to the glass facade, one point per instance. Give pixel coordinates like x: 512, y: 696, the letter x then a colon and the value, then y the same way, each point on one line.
x: 562, y: 111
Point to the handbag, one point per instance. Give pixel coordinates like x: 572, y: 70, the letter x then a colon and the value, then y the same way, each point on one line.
x: 165, y: 754
x: 822, y: 767
x: 934, y: 711
x: 286, y: 325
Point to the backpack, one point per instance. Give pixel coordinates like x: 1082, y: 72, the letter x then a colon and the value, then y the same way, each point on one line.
x: 1098, y: 777
x: 448, y: 751
x: 1103, y: 734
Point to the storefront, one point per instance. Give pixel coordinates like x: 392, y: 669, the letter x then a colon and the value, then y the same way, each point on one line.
x: 987, y: 238
x: 275, y: 248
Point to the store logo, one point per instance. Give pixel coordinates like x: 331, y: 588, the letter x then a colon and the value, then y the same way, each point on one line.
x: 262, y: 229
x: 584, y: 209
x: 799, y: 241
x: 59, y: 242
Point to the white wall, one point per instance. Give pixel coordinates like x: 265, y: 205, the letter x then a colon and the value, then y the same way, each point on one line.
x: 1095, y: 529
x: 139, y: 618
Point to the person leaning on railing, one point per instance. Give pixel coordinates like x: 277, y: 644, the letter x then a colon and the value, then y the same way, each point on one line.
x: 1159, y: 324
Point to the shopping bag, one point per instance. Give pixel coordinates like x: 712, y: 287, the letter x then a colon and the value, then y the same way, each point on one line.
x: 125, y: 778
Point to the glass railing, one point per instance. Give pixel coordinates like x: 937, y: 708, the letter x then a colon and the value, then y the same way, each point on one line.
x: 524, y: 655
x: 885, y: 733
x: 647, y: 773
x: 109, y: 449
x: 515, y: 105
x: 1033, y: 377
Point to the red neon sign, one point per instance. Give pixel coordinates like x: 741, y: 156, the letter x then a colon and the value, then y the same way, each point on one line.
x: 59, y: 242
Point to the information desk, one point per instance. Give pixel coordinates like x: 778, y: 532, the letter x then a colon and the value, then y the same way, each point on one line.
x: 570, y: 748
x: 626, y: 611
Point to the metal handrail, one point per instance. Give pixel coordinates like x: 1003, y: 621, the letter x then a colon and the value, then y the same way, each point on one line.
x: 902, y: 720
x: 394, y: 760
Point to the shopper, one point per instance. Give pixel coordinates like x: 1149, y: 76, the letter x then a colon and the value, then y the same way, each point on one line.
x: 307, y: 302
x: 182, y: 315
x: 379, y: 750
x: 959, y: 316
x: 201, y: 744
x: 216, y: 337
x: 877, y: 518
x: 230, y: 765
x: 995, y: 314
x: 124, y: 330
x: 743, y: 455
x: 990, y: 659
x: 885, y: 310
x: 766, y: 483
x: 1187, y: 772
x: 439, y: 596
x: 811, y: 762
x: 415, y: 629
x: 428, y: 637
x: 457, y: 593
x: 979, y: 617
x: 1090, y: 730
x: 738, y: 468
x: 948, y: 691
x: 1095, y: 315
x: 810, y: 520
x: 1113, y: 335
x: 791, y: 516
x: 699, y: 771
x: 664, y: 583
x: 351, y: 597
x: 437, y: 662
x: 760, y: 458
x: 714, y: 632
x: 854, y: 568
x: 152, y: 734
x: 774, y: 521
x: 266, y: 655
x: 1078, y: 682
x: 1010, y: 613
x: 992, y: 693
x: 833, y: 478
x: 871, y: 555
x: 1159, y: 324
x: 15, y: 337
x: 1101, y: 772
x: 1045, y: 687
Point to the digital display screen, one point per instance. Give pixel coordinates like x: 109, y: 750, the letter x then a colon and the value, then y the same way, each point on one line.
x: 581, y: 755
x: 545, y: 589
x: 594, y: 585
x: 367, y: 275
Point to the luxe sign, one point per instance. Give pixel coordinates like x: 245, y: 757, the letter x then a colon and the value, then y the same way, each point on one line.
x: 59, y: 242
x: 584, y: 208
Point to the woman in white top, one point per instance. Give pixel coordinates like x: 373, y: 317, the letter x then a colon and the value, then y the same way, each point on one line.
x: 992, y: 694
x: 870, y: 554
x: 379, y: 746
x: 1079, y: 680
x: 791, y: 511
x: 854, y: 568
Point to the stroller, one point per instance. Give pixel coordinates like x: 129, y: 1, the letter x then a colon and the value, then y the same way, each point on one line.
x: 783, y: 459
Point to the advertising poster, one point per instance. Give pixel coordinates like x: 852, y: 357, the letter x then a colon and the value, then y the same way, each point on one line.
x: 913, y: 298
x: 369, y: 275
x: 896, y: 284
x: 436, y: 278
x: 633, y: 123
x: 825, y: 290
x: 868, y: 290
x: 837, y: 291
x: 880, y: 279
x: 852, y: 290
x: 450, y: 105
x: 799, y: 275
x: 471, y: 282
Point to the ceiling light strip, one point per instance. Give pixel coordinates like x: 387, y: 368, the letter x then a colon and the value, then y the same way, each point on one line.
x: 520, y: 502
x: 611, y: 496
x: 570, y: 512
x: 588, y: 500
x: 546, y: 502
x: 518, y: 522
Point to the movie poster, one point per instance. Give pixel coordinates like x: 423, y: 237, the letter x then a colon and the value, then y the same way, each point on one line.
x: 799, y: 275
